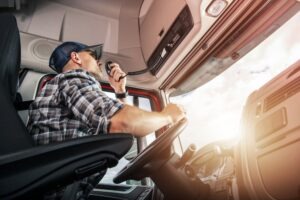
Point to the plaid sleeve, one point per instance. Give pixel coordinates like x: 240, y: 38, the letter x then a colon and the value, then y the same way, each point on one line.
x: 89, y: 103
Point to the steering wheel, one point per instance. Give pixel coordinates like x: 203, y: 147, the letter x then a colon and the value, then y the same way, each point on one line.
x: 137, y: 167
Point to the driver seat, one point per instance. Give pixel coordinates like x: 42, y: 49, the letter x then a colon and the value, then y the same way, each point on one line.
x: 28, y: 171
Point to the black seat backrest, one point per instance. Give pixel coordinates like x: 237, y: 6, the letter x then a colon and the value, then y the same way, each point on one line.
x: 10, y: 53
x: 14, y: 135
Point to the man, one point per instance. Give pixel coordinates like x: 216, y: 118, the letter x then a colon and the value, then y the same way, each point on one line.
x: 73, y: 105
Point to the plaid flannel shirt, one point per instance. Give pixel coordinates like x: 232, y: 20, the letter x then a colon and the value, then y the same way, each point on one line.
x: 71, y: 105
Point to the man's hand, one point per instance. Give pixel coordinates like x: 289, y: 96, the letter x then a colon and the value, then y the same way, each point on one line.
x: 114, y: 79
x: 175, y: 112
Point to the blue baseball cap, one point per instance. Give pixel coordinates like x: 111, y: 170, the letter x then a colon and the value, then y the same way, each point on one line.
x: 61, y: 54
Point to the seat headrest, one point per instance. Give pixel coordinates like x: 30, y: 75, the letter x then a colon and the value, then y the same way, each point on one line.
x: 10, y: 53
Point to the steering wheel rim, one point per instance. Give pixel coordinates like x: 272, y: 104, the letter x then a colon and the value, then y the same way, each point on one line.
x: 146, y: 156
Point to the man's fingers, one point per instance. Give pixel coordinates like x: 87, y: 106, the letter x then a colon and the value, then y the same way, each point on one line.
x: 114, y: 69
x: 182, y: 109
x: 120, y: 76
x: 117, y: 74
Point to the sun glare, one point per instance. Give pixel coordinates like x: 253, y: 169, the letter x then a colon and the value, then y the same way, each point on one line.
x: 214, y: 110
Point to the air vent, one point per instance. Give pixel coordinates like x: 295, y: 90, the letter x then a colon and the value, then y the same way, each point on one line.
x: 282, y: 94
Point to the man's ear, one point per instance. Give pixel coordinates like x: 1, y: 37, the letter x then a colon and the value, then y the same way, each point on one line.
x: 75, y: 58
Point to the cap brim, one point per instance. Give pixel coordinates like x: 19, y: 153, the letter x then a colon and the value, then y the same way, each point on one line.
x: 97, y: 49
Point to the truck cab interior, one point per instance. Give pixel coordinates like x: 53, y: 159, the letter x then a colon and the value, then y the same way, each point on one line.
x: 191, y: 52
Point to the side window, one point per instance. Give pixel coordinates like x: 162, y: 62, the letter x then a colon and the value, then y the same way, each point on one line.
x: 138, y: 145
x: 145, y: 104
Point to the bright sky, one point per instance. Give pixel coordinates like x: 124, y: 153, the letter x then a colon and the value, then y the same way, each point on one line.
x: 215, y: 109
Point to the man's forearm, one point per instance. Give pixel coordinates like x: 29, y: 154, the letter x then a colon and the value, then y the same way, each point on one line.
x: 138, y: 122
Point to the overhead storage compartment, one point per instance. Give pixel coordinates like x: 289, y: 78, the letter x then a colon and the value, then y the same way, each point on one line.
x: 162, y: 30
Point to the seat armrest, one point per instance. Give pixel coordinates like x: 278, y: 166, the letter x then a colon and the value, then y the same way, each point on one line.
x: 49, y: 166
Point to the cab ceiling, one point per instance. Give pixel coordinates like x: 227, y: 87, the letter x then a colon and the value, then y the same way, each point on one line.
x: 46, y: 23
x: 108, y: 8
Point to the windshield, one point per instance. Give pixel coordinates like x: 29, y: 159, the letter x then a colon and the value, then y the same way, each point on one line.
x: 215, y: 109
